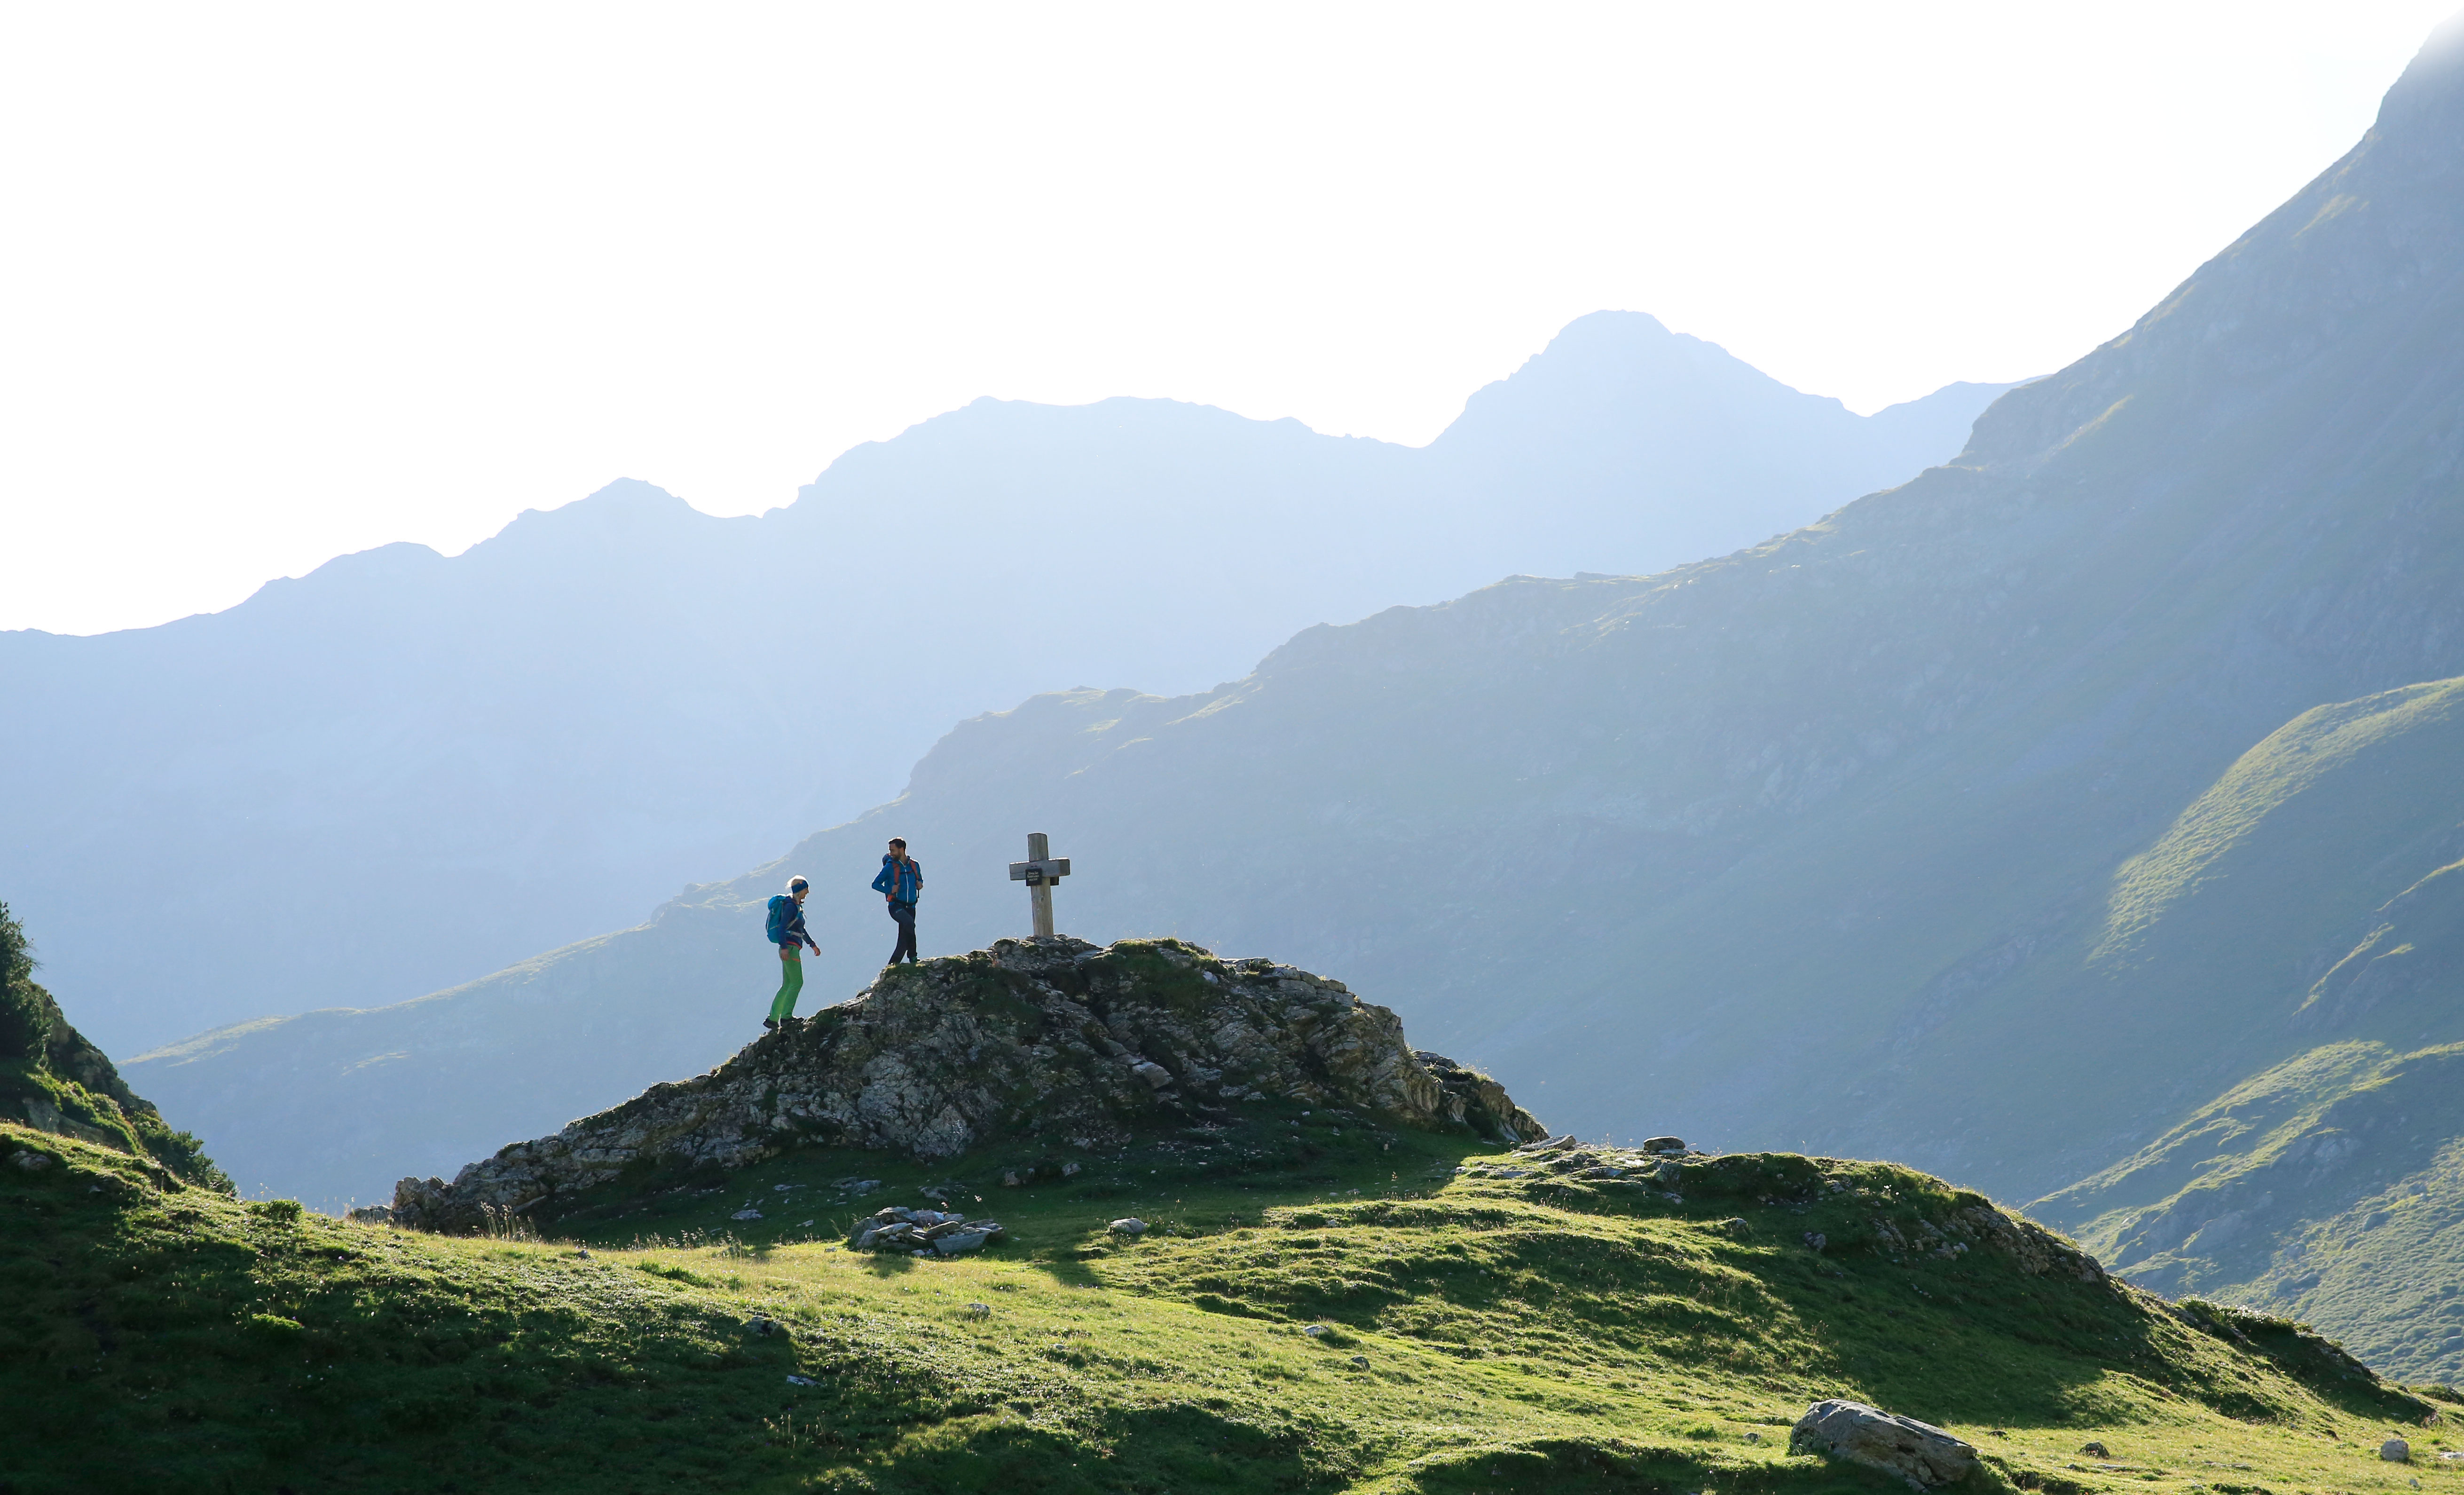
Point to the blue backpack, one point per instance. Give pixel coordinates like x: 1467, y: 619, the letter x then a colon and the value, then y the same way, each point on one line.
x: 782, y: 908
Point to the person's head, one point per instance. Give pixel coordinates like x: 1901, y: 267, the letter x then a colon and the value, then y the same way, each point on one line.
x: 798, y: 887
x: 898, y: 849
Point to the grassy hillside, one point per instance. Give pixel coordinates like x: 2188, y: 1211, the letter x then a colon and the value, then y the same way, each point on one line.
x: 1478, y: 1332
x: 2330, y: 1187
x: 53, y: 1080
x: 2312, y: 894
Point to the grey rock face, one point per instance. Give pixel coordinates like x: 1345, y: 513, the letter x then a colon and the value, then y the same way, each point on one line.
x: 2396, y: 1450
x: 1918, y: 1452
x: 1051, y: 1038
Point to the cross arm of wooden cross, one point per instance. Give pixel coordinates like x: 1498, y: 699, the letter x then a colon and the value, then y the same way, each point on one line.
x: 1043, y: 869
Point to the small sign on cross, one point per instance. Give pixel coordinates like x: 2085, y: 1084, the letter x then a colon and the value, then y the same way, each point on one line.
x: 1040, y: 871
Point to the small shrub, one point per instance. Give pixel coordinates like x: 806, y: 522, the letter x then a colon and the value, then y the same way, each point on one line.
x: 276, y: 1212
x: 25, y: 1017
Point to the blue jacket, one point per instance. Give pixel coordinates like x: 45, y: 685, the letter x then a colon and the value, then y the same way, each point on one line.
x: 787, y: 923
x: 901, y: 881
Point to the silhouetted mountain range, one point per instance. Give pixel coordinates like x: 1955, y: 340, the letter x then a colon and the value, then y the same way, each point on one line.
x: 403, y: 771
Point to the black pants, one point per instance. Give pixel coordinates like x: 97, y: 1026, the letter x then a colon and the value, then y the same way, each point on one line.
x: 905, y: 914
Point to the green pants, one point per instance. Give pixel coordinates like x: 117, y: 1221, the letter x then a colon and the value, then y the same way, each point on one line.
x: 791, y: 983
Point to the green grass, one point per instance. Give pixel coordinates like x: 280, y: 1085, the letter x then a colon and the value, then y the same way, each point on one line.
x: 59, y: 1104
x: 2305, y: 753
x: 2330, y: 1187
x: 1479, y: 1334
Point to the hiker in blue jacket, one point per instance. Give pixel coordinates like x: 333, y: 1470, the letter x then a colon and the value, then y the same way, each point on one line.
x: 786, y: 927
x: 901, y: 879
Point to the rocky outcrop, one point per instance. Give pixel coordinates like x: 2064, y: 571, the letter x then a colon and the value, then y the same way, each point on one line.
x: 1051, y: 1038
x: 1918, y: 1452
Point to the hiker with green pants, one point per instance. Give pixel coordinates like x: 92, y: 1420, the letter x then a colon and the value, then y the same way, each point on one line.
x: 787, y: 932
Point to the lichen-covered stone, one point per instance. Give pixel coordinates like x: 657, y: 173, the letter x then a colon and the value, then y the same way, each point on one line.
x: 1051, y: 1038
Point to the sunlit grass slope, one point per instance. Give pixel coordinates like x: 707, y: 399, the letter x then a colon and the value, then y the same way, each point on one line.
x: 1478, y: 1332
x: 2331, y: 1186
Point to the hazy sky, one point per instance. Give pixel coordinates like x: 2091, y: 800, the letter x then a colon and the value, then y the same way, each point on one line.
x: 281, y: 282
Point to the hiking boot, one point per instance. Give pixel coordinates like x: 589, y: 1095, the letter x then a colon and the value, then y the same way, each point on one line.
x: 771, y: 1024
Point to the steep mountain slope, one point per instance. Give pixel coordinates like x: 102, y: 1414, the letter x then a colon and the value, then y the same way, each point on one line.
x: 403, y: 771
x: 2326, y: 1184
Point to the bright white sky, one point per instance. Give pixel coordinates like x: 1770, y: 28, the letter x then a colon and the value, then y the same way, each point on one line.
x: 278, y: 283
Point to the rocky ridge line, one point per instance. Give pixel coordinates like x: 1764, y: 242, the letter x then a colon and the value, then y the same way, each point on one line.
x: 1051, y: 1038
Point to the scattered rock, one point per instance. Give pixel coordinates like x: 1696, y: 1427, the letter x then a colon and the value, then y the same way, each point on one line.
x: 1736, y: 1226
x: 1360, y: 1362
x: 765, y: 1327
x: 799, y: 1380
x: 1315, y: 1330
x: 1658, y: 1145
x: 32, y: 1162
x: 1815, y: 1241
x: 1009, y: 1179
x: 979, y: 1311
x: 1069, y: 1170
x: 2396, y: 1450
x: 1549, y: 1144
x: 746, y: 1214
x: 923, y: 1232
x: 937, y: 1058
x: 371, y: 1215
x: 2095, y: 1451
x: 1130, y: 1226
x: 1918, y: 1452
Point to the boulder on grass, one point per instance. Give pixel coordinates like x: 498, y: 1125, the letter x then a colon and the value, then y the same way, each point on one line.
x: 1918, y: 1452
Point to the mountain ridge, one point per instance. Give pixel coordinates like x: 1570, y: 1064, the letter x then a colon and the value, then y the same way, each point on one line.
x: 534, y: 740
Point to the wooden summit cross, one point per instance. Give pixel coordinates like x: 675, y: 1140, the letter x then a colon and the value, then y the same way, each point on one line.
x: 1040, y: 871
